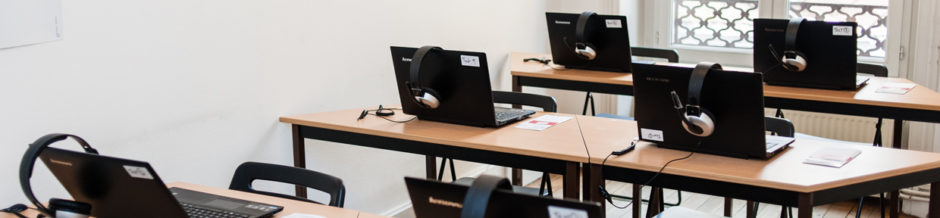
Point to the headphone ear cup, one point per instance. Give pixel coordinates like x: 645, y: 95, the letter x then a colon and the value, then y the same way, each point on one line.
x: 702, y: 122
x: 70, y: 209
x: 428, y: 100
x: 797, y: 63
x: 587, y: 52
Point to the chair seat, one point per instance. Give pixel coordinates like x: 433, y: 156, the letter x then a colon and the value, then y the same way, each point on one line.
x: 678, y: 211
x: 614, y: 116
x: 517, y: 189
x: 812, y: 137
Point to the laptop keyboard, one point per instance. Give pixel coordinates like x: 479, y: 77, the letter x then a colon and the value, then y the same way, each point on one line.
x: 774, y: 142
x: 196, y: 211
x: 508, y: 114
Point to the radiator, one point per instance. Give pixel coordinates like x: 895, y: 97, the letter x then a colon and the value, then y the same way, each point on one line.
x: 840, y: 127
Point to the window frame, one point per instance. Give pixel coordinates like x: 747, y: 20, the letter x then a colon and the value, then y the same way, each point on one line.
x: 658, y: 32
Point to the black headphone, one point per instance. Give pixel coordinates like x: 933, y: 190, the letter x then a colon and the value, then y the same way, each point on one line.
x: 581, y: 47
x: 696, y: 120
x: 793, y: 59
x: 478, y: 195
x: 57, y: 207
x: 423, y: 96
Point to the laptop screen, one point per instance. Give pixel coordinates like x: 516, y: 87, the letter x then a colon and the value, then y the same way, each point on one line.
x: 830, y: 54
x: 438, y: 199
x: 605, y: 34
x: 735, y: 99
x: 462, y: 87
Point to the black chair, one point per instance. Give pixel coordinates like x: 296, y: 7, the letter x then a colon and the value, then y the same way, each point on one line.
x: 547, y: 104
x: 248, y: 172
x: 878, y: 70
x: 671, y: 55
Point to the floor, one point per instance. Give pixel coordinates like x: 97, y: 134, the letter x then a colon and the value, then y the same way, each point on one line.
x: 714, y: 205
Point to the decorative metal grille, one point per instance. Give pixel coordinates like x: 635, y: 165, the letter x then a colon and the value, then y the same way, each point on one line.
x: 730, y: 23
x: 715, y: 23
x: 872, y: 22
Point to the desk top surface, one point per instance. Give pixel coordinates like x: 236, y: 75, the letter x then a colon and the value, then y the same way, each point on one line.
x: 561, y: 142
x: 290, y: 206
x: 784, y: 171
x: 920, y: 97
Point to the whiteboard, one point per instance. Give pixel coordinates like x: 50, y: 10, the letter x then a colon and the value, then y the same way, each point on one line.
x: 25, y: 22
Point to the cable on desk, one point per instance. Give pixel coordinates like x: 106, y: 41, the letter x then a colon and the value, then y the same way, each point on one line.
x: 383, y: 113
x: 606, y: 194
x: 545, y: 61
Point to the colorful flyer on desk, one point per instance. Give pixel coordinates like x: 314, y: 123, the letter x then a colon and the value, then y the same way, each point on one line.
x: 895, y: 88
x: 543, y: 122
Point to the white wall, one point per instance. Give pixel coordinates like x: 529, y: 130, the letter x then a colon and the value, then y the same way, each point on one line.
x: 196, y: 87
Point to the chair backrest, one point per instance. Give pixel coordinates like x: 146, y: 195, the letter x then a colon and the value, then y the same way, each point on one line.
x: 779, y: 126
x: 670, y: 55
x: 248, y: 172
x: 547, y: 103
x: 878, y: 70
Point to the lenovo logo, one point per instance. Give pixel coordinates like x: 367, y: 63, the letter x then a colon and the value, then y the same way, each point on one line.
x: 59, y: 162
x: 565, y: 22
x: 445, y: 203
x: 404, y: 59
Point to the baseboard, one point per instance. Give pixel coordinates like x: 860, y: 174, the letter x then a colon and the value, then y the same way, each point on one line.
x: 394, y: 211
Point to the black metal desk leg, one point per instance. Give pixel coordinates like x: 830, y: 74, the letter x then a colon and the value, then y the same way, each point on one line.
x: 805, y: 203
x: 430, y: 167
x: 570, y: 183
x: 894, y: 203
x: 299, y: 157
x: 933, y: 208
x: 637, y: 199
x: 592, y: 179
x: 751, y: 211
x: 728, y: 206
x: 898, y: 128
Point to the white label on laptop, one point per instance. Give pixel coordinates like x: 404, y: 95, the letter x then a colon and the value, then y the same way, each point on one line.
x: 564, y: 212
x: 542, y: 122
x: 841, y: 30
x: 138, y: 172
x: 470, y: 60
x: 613, y: 23
x: 651, y: 134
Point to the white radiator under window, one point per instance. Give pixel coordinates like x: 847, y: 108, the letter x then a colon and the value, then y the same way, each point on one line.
x: 840, y: 127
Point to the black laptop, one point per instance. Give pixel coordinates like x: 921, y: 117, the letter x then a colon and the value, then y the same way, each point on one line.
x: 462, y: 82
x: 116, y: 187
x: 438, y: 199
x: 605, y: 34
x: 735, y: 99
x: 829, y: 49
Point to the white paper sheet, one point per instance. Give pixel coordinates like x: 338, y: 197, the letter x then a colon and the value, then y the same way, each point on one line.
x: 543, y: 122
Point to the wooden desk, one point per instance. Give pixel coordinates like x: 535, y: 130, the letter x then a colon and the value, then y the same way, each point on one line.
x: 920, y: 104
x: 782, y: 180
x: 290, y: 206
x: 558, y: 149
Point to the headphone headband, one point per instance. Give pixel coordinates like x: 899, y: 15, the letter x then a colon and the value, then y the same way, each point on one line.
x: 581, y: 25
x: 697, y: 80
x: 479, y: 193
x: 29, y: 159
x: 416, y: 61
x: 791, y: 32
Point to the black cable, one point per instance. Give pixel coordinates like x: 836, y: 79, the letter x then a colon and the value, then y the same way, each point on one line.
x: 16, y: 209
x: 384, y: 115
x: 607, y: 196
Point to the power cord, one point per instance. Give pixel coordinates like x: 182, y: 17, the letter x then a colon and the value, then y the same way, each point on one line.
x: 545, y: 61
x: 607, y: 195
x: 383, y: 113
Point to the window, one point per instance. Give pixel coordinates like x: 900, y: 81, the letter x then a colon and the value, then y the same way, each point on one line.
x: 700, y: 28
